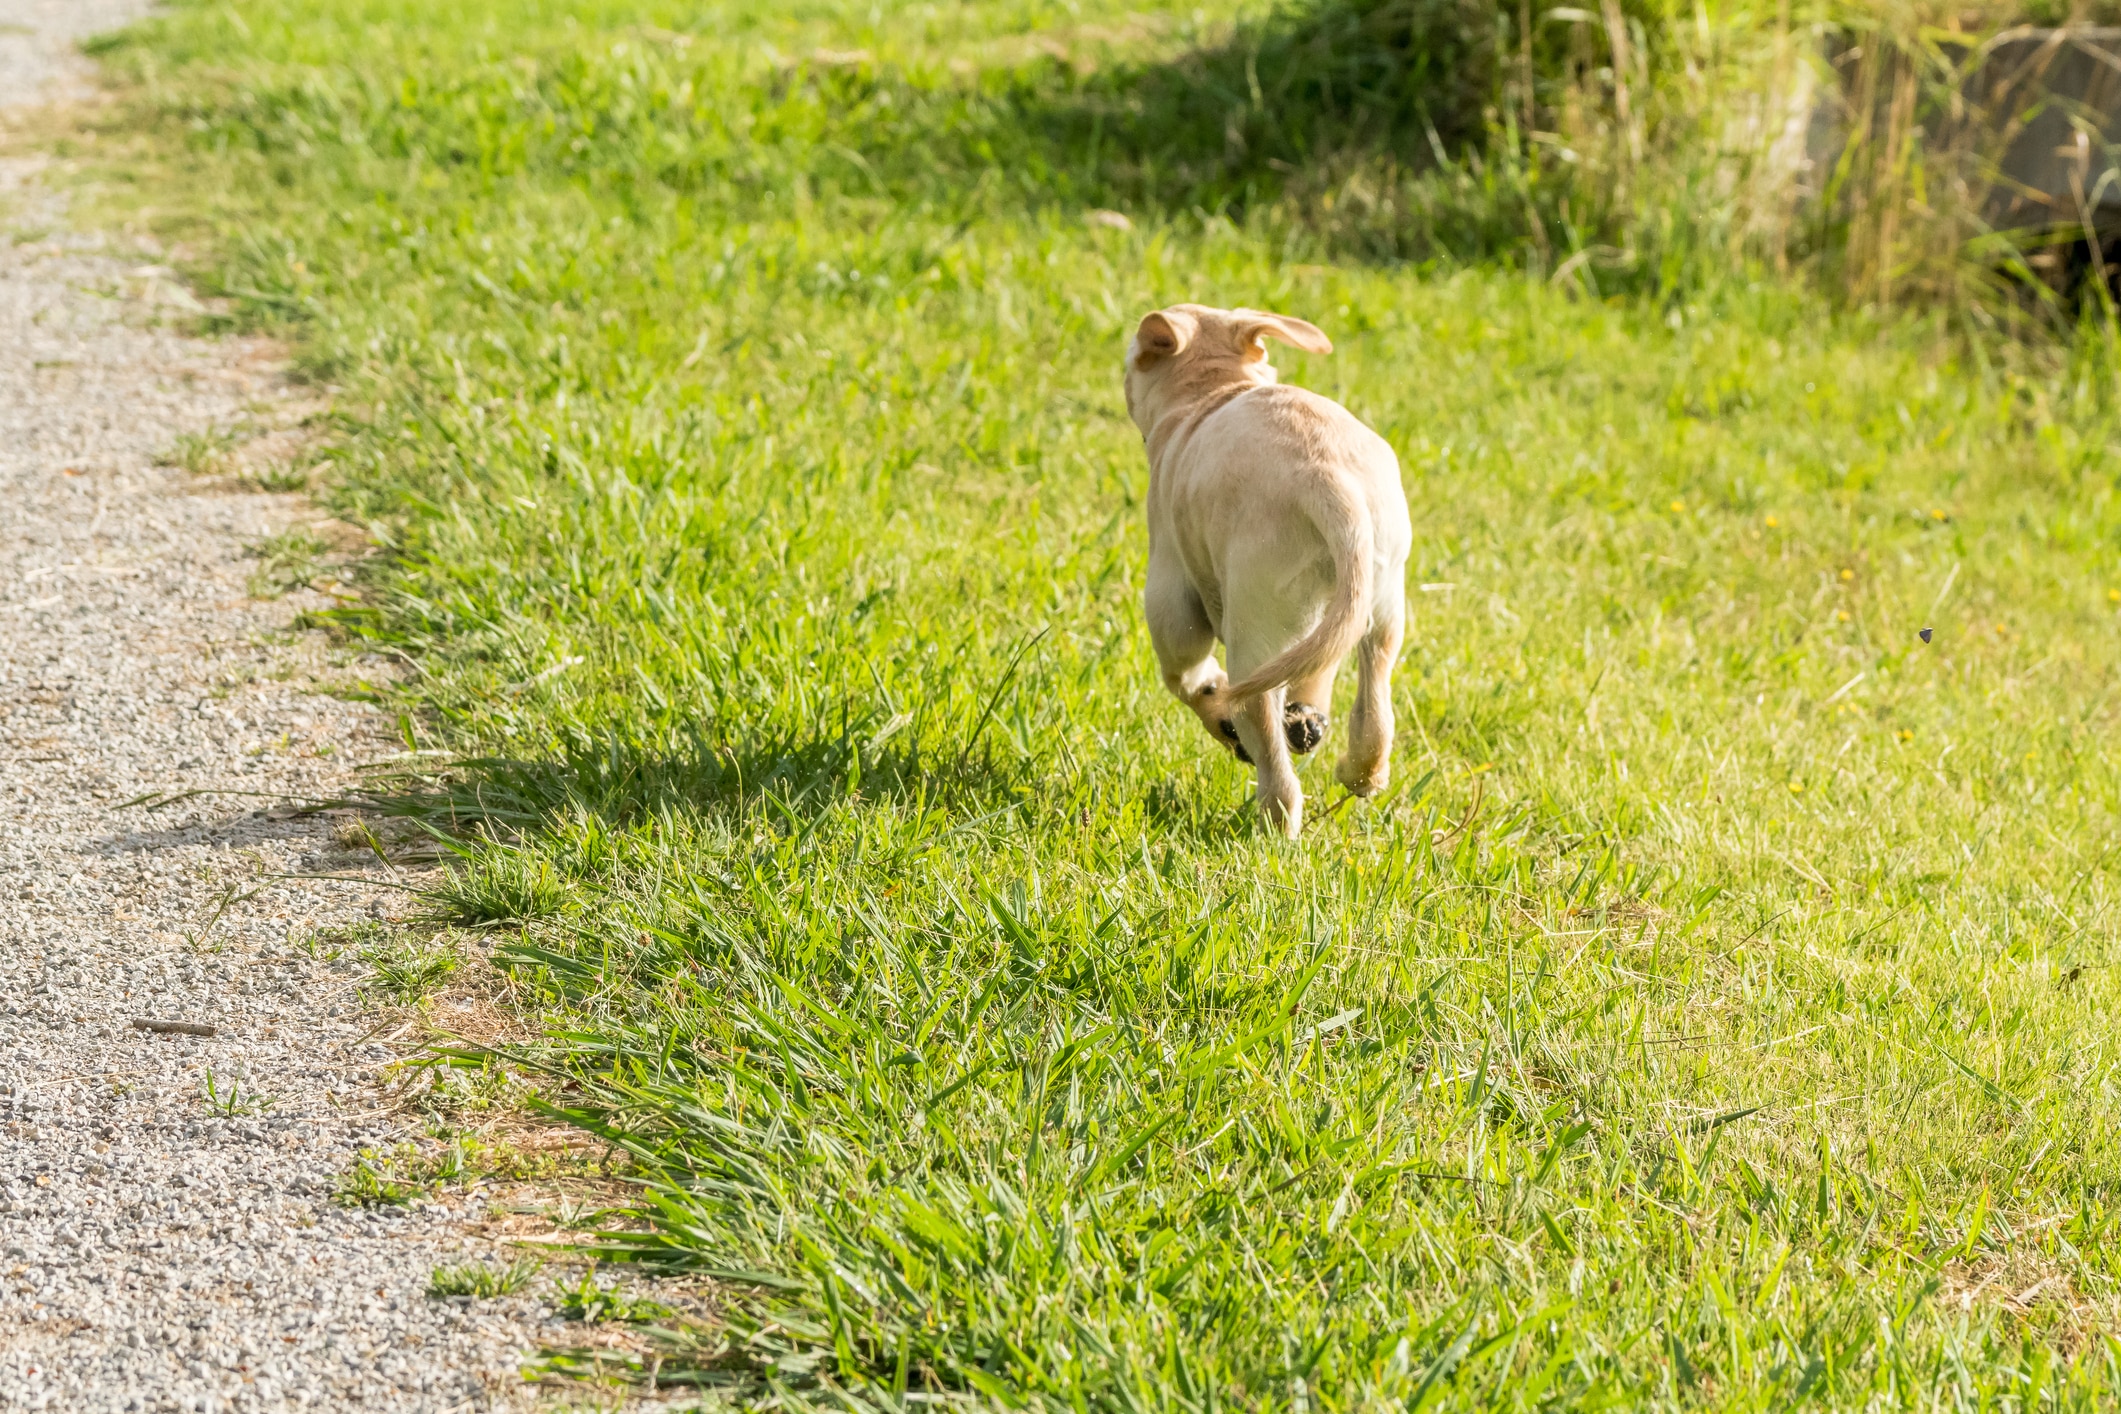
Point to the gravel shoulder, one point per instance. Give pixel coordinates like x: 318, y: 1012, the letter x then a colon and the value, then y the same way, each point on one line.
x: 156, y: 1254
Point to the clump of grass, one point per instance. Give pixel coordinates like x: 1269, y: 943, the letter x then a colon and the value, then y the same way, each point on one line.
x: 406, y: 968
x: 590, y: 1301
x: 202, y: 453
x: 283, y: 479
x: 502, y: 886
x: 375, y: 1180
x: 291, y: 560
x: 482, y: 1280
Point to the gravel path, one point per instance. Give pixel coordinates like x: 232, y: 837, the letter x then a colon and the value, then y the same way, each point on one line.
x: 153, y: 1254
x: 38, y: 59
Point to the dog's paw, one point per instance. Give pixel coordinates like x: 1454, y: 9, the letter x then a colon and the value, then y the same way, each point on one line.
x: 1228, y: 728
x: 1304, y: 726
x: 1360, y: 779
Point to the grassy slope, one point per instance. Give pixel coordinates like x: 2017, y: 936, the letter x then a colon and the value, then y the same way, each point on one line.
x: 1720, y: 1013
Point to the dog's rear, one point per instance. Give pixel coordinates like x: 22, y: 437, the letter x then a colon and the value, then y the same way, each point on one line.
x: 1276, y: 524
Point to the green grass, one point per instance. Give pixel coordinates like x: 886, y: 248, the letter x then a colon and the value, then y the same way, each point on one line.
x: 1719, y: 1013
x: 479, y: 1279
x: 230, y: 1100
x: 290, y: 560
x: 201, y: 453
x: 277, y: 480
x: 589, y: 1300
x: 407, y: 969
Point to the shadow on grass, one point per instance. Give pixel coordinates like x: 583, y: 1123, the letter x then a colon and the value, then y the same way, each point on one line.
x: 623, y: 782
x: 1367, y: 122
x: 1312, y: 83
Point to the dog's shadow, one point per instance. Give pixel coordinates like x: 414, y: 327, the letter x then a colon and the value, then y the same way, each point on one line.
x: 622, y: 784
x: 789, y: 784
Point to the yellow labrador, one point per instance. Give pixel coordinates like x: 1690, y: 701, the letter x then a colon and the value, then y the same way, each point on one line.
x: 1278, y: 525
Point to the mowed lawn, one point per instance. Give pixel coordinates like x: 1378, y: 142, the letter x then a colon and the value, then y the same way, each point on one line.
x: 1721, y: 1011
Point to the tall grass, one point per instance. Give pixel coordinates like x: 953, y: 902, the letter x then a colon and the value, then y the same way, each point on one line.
x: 1718, y: 1016
x: 1642, y: 147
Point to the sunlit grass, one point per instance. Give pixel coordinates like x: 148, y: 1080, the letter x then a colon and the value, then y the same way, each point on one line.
x: 1718, y: 1014
x: 477, y: 1279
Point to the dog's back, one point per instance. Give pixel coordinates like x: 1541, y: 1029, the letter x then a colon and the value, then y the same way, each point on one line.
x: 1276, y: 523
x: 1254, y: 466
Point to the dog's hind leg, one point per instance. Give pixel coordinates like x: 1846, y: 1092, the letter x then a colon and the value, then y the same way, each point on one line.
x: 1367, y: 766
x: 1281, y: 795
x: 1255, y: 638
x: 1185, y: 648
x: 1304, y: 720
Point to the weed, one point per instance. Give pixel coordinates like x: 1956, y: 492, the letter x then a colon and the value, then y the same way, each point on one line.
x: 589, y: 1300
x: 230, y: 1101
x: 293, y: 559
x: 479, y: 1279
x: 375, y: 1181
x: 202, y: 453
x: 283, y: 479
x: 407, y: 969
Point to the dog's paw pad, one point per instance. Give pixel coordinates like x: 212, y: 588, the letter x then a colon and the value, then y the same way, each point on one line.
x: 1228, y: 729
x: 1304, y: 726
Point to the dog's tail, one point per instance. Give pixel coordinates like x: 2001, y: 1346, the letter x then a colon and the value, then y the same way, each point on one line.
x: 1341, y: 516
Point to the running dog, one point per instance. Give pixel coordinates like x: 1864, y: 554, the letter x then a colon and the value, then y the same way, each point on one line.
x: 1277, y: 524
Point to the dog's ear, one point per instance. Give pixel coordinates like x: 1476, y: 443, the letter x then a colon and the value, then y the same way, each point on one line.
x: 1261, y: 326
x: 1162, y: 335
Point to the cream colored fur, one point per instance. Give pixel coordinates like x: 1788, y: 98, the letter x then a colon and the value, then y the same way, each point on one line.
x: 1277, y: 524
